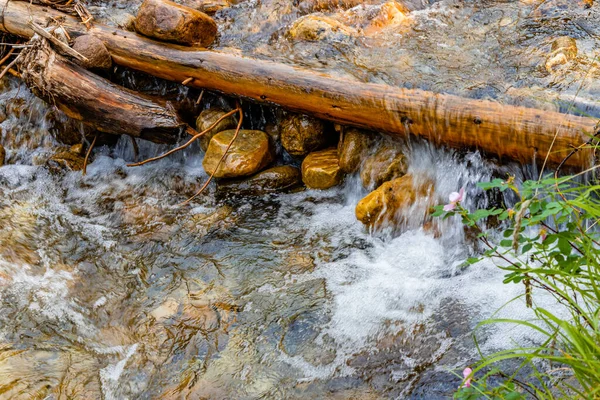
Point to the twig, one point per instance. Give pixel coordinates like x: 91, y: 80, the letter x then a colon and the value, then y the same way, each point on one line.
x: 210, y: 178
x: 200, y: 97
x: 9, y: 66
x: 189, y: 142
x: 188, y: 80
x: 87, y: 155
x: 62, y: 46
x: 6, y: 57
x: 84, y: 14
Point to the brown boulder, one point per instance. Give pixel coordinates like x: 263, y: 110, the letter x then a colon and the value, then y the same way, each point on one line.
x: 94, y: 50
x: 208, y: 118
x: 274, y: 179
x: 171, y: 22
x: 321, y: 169
x: 386, y: 164
x: 2, y: 155
x: 353, y: 148
x: 385, y: 204
x: 301, y: 134
x: 250, y: 153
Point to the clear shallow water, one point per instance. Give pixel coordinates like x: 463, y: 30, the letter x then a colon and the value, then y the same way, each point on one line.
x: 109, y: 290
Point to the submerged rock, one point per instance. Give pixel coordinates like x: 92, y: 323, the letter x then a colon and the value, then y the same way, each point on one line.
x: 318, y: 28
x: 274, y: 179
x: 250, y: 153
x: 70, y: 159
x: 385, y: 204
x: 2, y: 155
x: 388, y: 163
x: 321, y: 169
x: 564, y: 50
x: 208, y: 118
x: 209, y: 7
x: 171, y: 22
x: 301, y: 134
x: 353, y: 149
x: 94, y: 50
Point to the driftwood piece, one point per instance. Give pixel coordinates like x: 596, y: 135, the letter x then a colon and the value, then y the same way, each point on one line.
x: 97, y: 102
x: 508, y: 131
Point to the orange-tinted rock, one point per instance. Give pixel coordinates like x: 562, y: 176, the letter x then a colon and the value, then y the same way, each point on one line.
x: 317, y: 27
x: 94, y: 50
x: 390, y: 13
x: 321, y: 169
x: 387, y: 164
x: 171, y: 22
x: 250, y: 153
x: 209, y: 7
x: 354, y: 148
x: 301, y: 134
x: 385, y: 204
x: 207, y: 118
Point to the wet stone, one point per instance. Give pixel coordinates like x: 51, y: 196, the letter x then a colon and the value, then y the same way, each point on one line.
x: 301, y: 134
x: 564, y: 50
x: 353, y: 149
x: 171, y: 22
x: 318, y: 28
x: 94, y: 50
x: 207, y: 118
x: 209, y: 7
x: 386, y: 204
x: 276, y: 179
x: 321, y: 169
x: 66, y: 159
x: 386, y: 164
x: 250, y: 153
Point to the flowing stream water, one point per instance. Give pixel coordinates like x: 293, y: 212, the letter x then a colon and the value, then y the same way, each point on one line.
x: 109, y: 289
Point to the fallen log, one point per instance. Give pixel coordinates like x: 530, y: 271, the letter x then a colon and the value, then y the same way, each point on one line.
x: 97, y: 102
x: 515, y: 132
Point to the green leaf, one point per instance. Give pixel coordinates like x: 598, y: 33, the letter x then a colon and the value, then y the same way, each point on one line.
x: 564, y: 246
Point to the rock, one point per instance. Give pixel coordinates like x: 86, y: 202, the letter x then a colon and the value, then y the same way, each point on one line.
x: 564, y: 50
x: 385, y: 204
x: 250, y: 153
x: 301, y: 134
x: 123, y: 20
x: 209, y: 117
x: 94, y: 50
x: 209, y: 7
x: 390, y: 14
x: 2, y: 155
x: 386, y: 164
x: 274, y: 179
x: 354, y: 148
x: 318, y: 28
x: 321, y: 169
x: 66, y: 159
x: 171, y: 22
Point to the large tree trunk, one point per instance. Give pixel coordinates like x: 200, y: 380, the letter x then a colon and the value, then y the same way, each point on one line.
x: 516, y: 132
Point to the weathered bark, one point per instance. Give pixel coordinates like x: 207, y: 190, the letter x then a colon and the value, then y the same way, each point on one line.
x: 516, y: 132
x: 96, y: 101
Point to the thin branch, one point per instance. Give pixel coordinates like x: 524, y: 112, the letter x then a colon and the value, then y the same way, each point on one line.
x: 237, y: 131
x: 62, y: 46
x: 87, y: 155
x: 187, y: 144
x: 9, y: 66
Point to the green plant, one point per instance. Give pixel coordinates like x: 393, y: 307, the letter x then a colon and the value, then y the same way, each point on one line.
x: 549, y: 244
